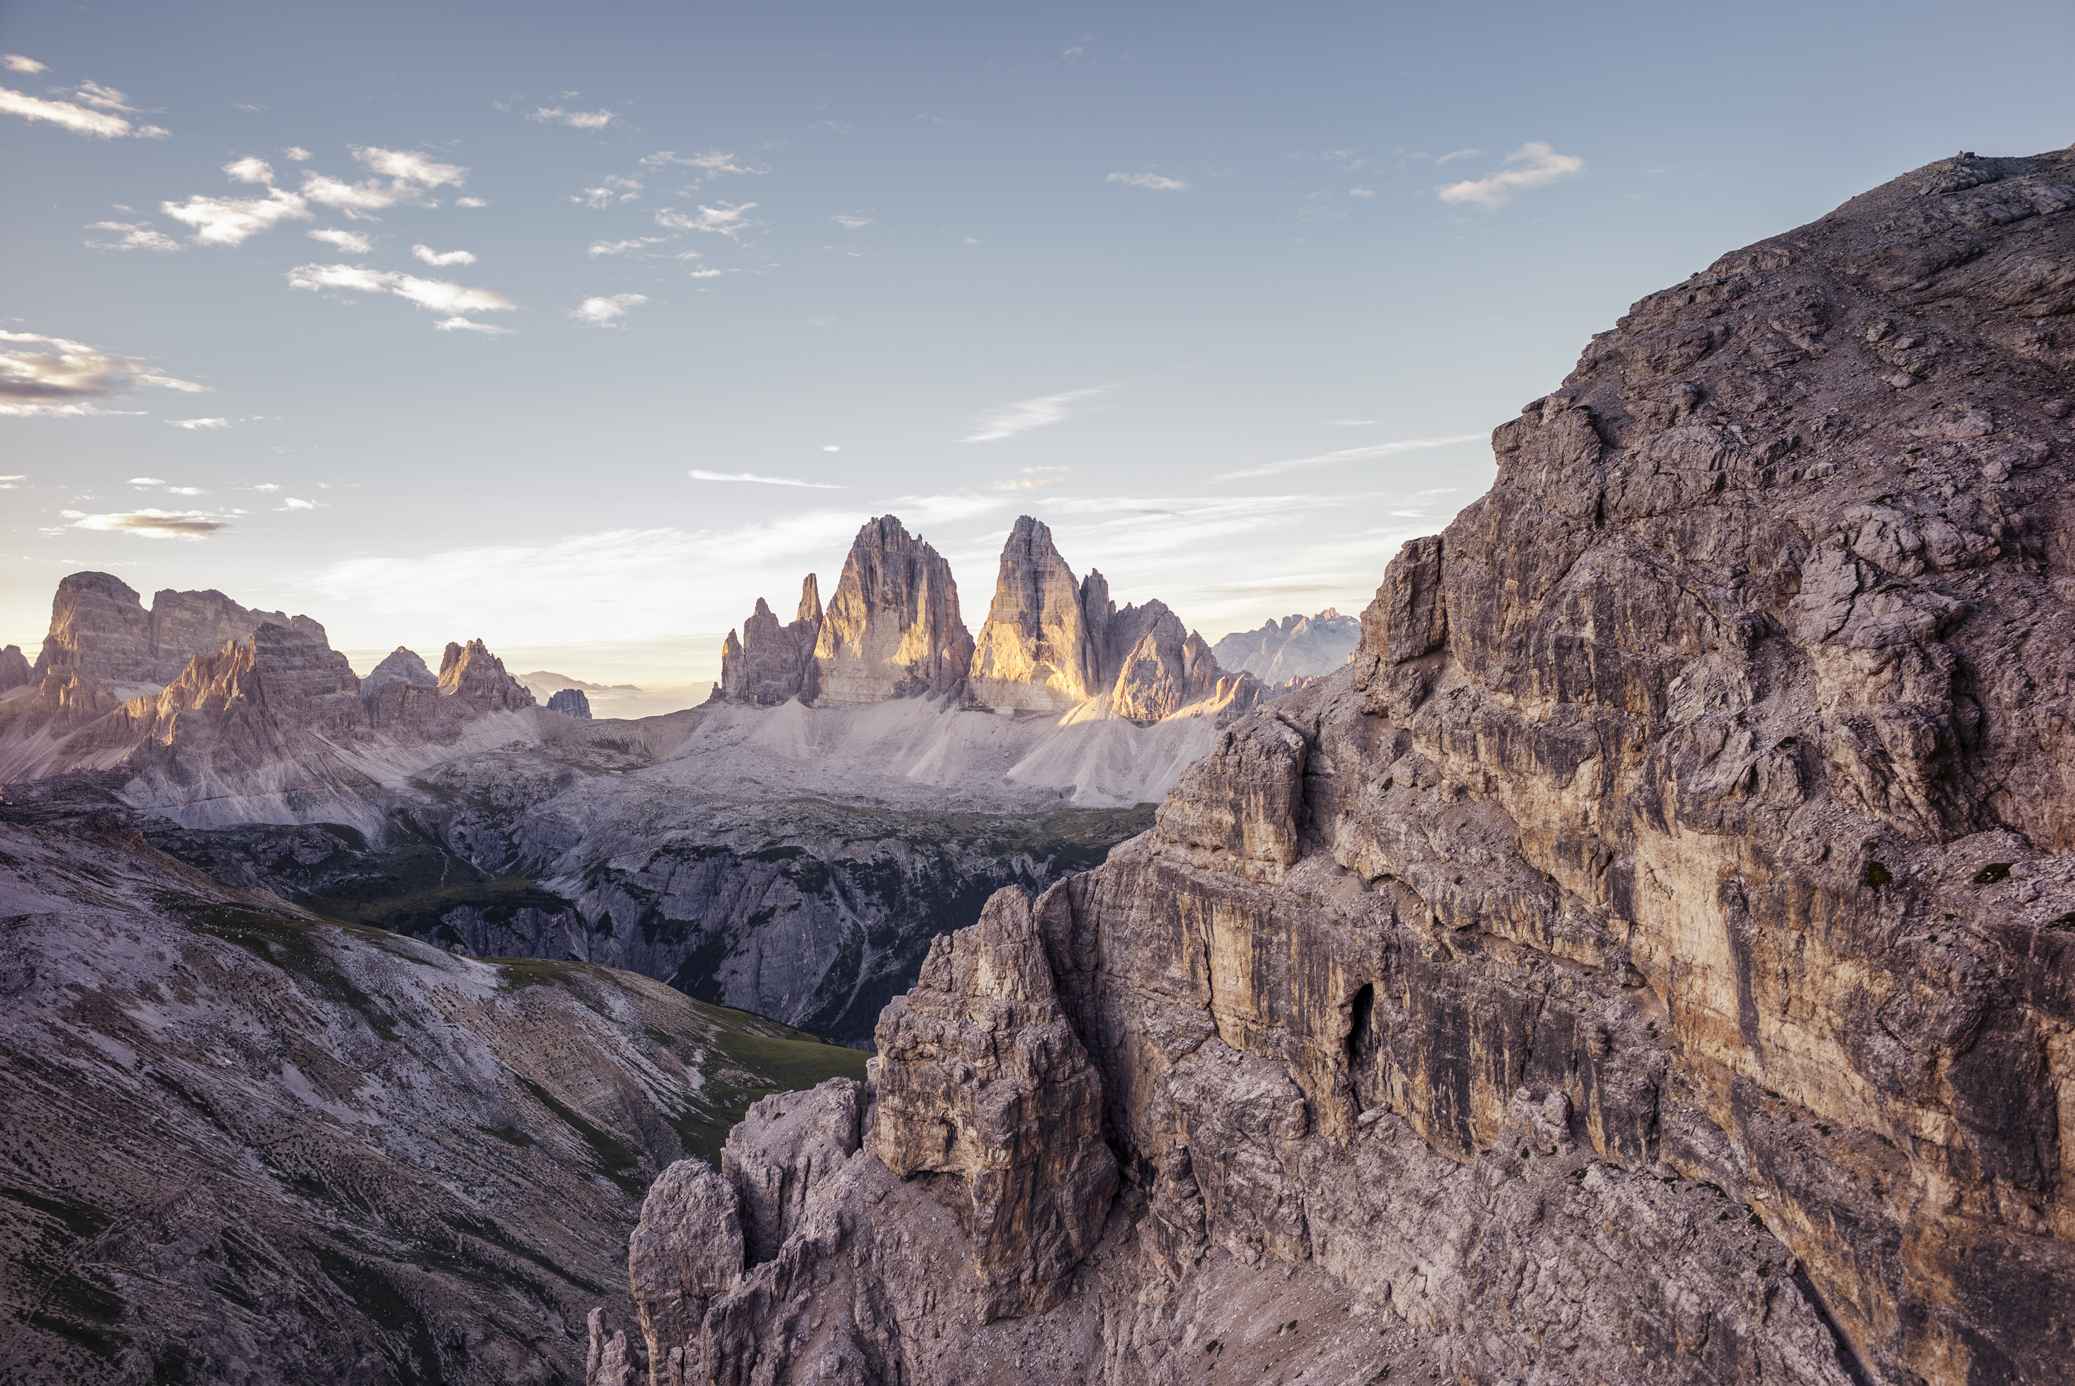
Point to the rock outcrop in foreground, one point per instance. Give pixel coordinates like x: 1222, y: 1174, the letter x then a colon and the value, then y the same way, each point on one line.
x: 1652, y: 959
x: 1051, y: 643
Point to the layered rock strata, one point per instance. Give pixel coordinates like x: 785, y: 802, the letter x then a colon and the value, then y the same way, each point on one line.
x: 99, y: 629
x: 1654, y: 957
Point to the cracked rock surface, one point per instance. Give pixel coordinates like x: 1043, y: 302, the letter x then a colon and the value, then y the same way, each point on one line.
x: 1653, y: 957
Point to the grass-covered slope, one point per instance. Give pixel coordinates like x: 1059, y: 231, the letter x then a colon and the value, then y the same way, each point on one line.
x: 242, y: 1142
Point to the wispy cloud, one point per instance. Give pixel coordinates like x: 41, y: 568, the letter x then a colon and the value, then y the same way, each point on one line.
x: 1011, y: 419
x: 291, y: 503
x: 411, y: 166
x: 461, y: 324
x: 54, y: 376
x: 697, y: 475
x: 1455, y: 154
x: 710, y: 164
x: 1533, y: 165
x: 1148, y: 180
x: 15, y: 62
x: 436, y: 295
x: 1026, y: 483
x: 199, y: 423
x: 851, y: 223
x: 233, y: 221
x: 81, y: 120
x: 602, y: 310
x: 611, y: 191
x: 153, y: 524
x: 135, y: 236
x: 158, y: 483
x: 442, y: 258
x: 576, y: 120
x: 351, y: 242
x: 729, y: 220
x: 1368, y: 452
x: 471, y: 202
x: 623, y: 247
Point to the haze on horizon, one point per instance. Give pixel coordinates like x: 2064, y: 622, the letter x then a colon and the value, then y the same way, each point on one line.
x: 579, y: 330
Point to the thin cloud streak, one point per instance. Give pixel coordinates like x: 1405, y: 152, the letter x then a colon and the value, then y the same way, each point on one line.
x: 697, y: 474
x: 1534, y: 165
x: 1368, y: 452
x: 1011, y: 419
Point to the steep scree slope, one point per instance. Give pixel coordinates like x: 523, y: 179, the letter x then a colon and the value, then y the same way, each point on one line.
x: 241, y: 1144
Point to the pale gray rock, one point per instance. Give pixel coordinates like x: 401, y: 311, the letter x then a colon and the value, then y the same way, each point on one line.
x: 787, y: 1147
x: 399, y: 666
x: 980, y: 1078
x: 14, y: 669
x: 1296, y: 647
x: 892, y: 629
x: 774, y: 663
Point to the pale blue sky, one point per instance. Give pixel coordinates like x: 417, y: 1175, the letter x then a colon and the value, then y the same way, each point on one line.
x: 1203, y: 286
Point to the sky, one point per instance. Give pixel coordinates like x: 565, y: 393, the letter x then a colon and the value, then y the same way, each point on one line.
x: 579, y: 328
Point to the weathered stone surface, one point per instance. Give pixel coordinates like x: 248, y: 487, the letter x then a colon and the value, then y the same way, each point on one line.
x: 892, y: 629
x: 686, y: 1253
x: 1654, y: 957
x: 14, y: 669
x: 789, y: 1145
x: 1296, y: 647
x: 979, y: 1077
x: 399, y: 666
x: 99, y: 629
x: 570, y: 702
x: 474, y: 677
x: 773, y: 663
x: 1035, y: 651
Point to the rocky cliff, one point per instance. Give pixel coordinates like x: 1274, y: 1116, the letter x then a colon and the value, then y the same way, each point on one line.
x: 1051, y: 643
x: 1653, y: 958
x: 243, y: 1144
x: 772, y: 663
x: 99, y: 629
x: 571, y: 702
x: 14, y: 669
x: 1296, y: 647
x: 892, y: 628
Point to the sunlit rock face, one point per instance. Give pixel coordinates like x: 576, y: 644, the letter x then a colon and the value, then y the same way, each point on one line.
x: 1652, y: 958
x: 892, y: 628
x: 1051, y: 643
x: 1036, y: 651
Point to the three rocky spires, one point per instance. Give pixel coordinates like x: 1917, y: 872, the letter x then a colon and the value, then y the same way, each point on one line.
x: 1052, y: 642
